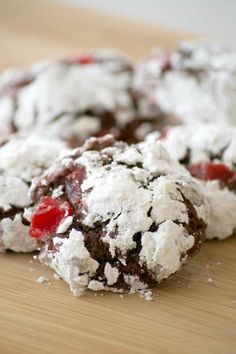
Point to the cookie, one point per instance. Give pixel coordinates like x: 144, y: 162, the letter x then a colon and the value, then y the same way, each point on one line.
x: 193, y: 82
x: 21, y: 159
x: 119, y: 217
x: 209, y: 152
x: 73, y: 98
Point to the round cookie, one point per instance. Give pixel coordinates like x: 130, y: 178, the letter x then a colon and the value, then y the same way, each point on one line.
x: 112, y: 216
x: 73, y: 98
x: 193, y: 82
x: 21, y: 159
x: 209, y: 152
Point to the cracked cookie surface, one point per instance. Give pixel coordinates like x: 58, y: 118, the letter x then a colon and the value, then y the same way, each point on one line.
x: 194, y: 82
x: 73, y: 98
x: 123, y: 216
x: 209, y: 152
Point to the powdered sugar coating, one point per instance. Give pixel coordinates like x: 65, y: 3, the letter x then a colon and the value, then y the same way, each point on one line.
x: 21, y: 159
x: 134, y: 200
x: 222, y: 217
x: 194, y: 82
x: 73, y: 100
x: 208, y: 142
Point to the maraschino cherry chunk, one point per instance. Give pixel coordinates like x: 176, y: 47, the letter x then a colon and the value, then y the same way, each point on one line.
x: 48, y: 215
x: 208, y: 171
x: 81, y: 59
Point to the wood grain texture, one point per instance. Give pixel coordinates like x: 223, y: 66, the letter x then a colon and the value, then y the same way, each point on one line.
x: 189, y: 315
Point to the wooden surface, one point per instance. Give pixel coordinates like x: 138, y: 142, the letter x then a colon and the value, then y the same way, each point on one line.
x: 189, y: 315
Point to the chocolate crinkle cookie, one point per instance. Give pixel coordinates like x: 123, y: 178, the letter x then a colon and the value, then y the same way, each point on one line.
x: 21, y: 159
x: 73, y: 98
x: 209, y: 153
x: 193, y: 82
x: 119, y: 217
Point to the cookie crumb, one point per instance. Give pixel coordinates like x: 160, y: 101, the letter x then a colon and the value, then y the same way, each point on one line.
x: 146, y: 294
x: 35, y: 257
x: 218, y: 263
x: 32, y: 269
x: 121, y: 295
x: 31, y: 261
x: 210, y: 280
x: 42, y: 279
x: 207, y: 265
x: 148, y: 298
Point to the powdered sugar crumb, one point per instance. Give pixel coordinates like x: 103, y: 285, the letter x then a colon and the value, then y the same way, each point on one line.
x: 146, y: 294
x: 42, y: 279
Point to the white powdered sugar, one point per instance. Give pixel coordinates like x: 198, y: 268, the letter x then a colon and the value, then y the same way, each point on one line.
x: 111, y: 273
x: 201, y: 141
x: 64, y: 225
x: 130, y: 190
x: 72, y: 259
x: 71, y: 89
x: 27, y: 157
x: 13, y: 235
x: 69, y: 98
x: 162, y: 250
x: 204, y: 142
x: 42, y: 279
x: 222, y: 221
x: 14, y: 191
x: 21, y: 159
x: 146, y: 294
x: 195, y: 82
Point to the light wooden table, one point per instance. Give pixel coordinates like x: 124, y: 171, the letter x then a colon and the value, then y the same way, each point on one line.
x: 189, y: 314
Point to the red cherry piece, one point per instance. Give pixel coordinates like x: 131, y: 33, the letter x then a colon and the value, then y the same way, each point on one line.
x: 81, y: 59
x: 48, y: 215
x: 85, y: 59
x: 208, y: 171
